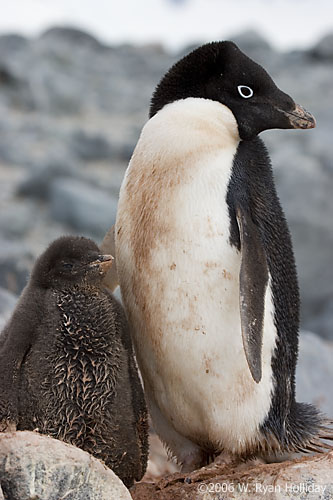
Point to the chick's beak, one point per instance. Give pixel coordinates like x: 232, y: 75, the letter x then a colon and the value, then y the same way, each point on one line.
x: 299, y: 117
x: 104, y: 262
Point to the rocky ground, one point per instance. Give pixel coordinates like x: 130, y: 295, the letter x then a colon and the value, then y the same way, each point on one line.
x: 71, y: 110
x: 36, y: 467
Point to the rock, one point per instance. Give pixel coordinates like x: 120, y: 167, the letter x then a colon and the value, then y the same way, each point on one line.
x: 12, y: 42
x: 83, y: 207
x: 16, y: 262
x: 307, y: 478
x: 15, y: 90
x: 70, y: 36
x: 324, y: 48
x: 34, y: 467
x: 305, y: 187
x: 3, y: 322
x: 17, y: 219
x: 322, y: 319
x: 251, y: 41
x: 39, y: 179
x: 30, y: 142
x: 7, y: 305
x: 7, y: 301
x: 258, y: 48
x: 314, y: 373
x: 14, y: 84
x: 89, y: 147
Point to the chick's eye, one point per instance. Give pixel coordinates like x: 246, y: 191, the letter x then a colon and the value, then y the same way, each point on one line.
x: 245, y: 91
x: 67, y: 265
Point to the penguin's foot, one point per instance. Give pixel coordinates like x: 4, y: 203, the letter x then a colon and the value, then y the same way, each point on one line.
x: 226, y: 459
x: 194, y: 460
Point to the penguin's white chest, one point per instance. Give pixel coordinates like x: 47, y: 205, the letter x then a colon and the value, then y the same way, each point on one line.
x: 179, y: 278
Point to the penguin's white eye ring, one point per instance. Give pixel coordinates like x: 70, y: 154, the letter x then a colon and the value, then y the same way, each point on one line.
x: 245, y: 91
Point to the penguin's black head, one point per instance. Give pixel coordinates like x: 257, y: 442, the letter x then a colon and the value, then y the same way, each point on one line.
x: 221, y: 72
x: 70, y: 260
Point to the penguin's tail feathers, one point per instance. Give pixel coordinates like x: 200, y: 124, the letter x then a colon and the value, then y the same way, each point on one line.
x: 304, y: 430
x: 307, y: 430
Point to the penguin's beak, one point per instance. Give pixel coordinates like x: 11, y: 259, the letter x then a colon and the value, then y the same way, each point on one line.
x: 104, y: 262
x: 299, y: 117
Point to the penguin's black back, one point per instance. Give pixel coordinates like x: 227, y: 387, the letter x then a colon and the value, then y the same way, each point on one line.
x: 252, y: 188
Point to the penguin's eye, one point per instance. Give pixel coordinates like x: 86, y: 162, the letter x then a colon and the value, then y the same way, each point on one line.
x: 245, y: 91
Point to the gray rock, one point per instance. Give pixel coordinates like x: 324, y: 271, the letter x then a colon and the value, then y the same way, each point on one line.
x: 15, y: 90
x: 12, y: 42
x: 35, y: 467
x: 324, y: 48
x: 17, y: 219
x: 70, y: 36
x: 7, y: 301
x: 15, y: 265
x: 322, y: 319
x: 258, y: 48
x: 89, y: 147
x: 30, y: 141
x: 83, y: 207
x: 39, y: 179
x: 305, y: 187
x: 251, y: 41
x: 314, y: 374
x: 3, y: 321
x: 7, y: 305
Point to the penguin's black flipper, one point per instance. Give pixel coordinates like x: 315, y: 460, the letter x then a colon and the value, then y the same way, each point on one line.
x: 15, y: 341
x: 253, y: 281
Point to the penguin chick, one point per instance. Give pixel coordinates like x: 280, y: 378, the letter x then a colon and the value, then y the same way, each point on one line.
x: 206, y: 266
x: 67, y: 366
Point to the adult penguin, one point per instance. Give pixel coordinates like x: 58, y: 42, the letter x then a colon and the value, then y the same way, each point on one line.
x: 206, y: 265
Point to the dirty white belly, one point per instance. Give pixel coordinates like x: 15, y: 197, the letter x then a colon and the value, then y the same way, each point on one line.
x: 183, y: 306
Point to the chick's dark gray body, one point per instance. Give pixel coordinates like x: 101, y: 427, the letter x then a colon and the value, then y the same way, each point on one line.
x: 74, y: 373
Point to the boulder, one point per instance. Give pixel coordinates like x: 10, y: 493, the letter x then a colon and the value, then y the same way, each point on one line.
x: 314, y: 373
x: 324, y: 48
x: 83, y: 207
x: 36, y: 467
x: 17, y: 219
x: 305, y: 185
x: 70, y: 35
x: 16, y: 262
x: 89, y: 147
x: 7, y: 301
x: 39, y: 178
x: 11, y: 42
x: 7, y: 305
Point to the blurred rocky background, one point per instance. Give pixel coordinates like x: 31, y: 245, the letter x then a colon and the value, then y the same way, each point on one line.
x: 71, y: 111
